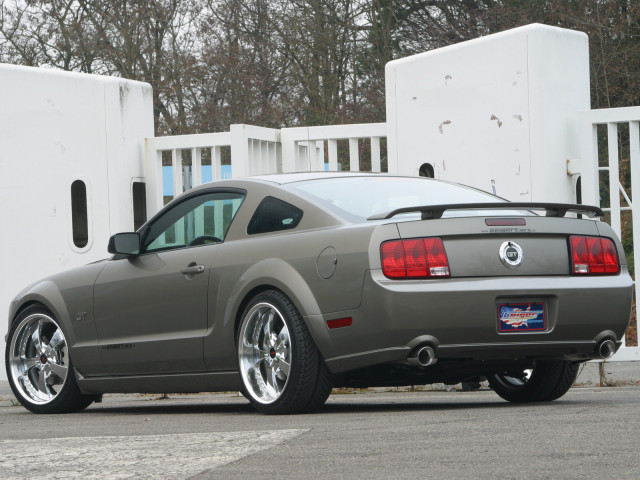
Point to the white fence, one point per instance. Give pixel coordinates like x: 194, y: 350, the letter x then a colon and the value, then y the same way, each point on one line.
x: 257, y: 150
x: 591, y: 170
x: 303, y: 147
x: 254, y: 150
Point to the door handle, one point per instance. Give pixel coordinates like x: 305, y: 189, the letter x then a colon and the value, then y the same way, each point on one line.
x: 192, y: 269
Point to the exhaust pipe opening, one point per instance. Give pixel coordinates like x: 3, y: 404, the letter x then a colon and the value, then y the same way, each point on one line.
x: 606, y: 349
x: 423, y: 357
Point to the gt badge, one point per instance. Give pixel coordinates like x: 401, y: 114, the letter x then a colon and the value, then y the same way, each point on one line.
x: 511, y: 254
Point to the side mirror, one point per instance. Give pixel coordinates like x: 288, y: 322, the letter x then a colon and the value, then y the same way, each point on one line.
x: 124, y: 243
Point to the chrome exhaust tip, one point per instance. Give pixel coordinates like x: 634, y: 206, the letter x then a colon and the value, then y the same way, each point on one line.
x: 423, y: 357
x: 606, y: 349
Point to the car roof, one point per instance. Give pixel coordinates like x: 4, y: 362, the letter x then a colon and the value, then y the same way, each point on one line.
x: 284, y: 178
x: 280, y: 179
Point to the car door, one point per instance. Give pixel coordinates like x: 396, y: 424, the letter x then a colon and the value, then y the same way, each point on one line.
x: 151, y: 309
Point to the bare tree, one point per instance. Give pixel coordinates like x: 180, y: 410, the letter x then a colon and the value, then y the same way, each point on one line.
x: 288, y: 62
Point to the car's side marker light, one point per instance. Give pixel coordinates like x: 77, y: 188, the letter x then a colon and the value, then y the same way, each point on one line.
x: 339, y: 322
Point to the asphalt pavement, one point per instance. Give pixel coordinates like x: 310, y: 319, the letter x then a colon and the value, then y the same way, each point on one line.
x: 591, y: 432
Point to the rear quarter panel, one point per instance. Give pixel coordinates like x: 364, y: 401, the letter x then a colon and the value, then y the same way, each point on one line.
x: 288, y: 262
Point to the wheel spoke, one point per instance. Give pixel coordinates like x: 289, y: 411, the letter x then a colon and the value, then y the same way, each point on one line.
x: 281, y: 346
x: 274, y: 381
x: 268, y: 373
x: 283, y: 336
x: 268, y: 328
x: 284, y: 367
x: 57, y: 339
x: 261, y: 357
x: 42, y: 384
x: 36, y: 337
x: 59, y: 370
x: 28, y: 363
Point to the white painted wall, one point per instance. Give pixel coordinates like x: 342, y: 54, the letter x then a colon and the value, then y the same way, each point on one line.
x: 499, y: 111
x: 57, y: 127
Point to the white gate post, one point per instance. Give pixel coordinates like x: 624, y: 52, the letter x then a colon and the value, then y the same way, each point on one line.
x: 196, y: 167
x: 590, y: 182
x: 239, y: 151
x: 153, y: 177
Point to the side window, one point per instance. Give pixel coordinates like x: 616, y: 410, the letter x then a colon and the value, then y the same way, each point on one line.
x: 196, y: 221
x: 273, y: 215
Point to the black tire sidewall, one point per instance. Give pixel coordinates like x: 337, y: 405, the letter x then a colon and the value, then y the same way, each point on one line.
x: 549, y: 380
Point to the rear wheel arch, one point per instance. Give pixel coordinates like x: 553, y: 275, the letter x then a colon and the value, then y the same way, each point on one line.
x: 263, y: 287
x: 245, y: 301
x: 274, y: 274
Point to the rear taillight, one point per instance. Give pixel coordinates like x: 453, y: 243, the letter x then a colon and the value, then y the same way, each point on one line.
x: 414, y: 258
x: 593, y: 256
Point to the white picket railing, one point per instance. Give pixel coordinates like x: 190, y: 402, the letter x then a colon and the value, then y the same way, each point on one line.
x: 303, y: 147
x: 612, y: 118
x: 256, y: 151
x: 253, y: 150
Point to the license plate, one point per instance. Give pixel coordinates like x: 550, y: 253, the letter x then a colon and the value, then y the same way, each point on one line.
x: 521, y: 317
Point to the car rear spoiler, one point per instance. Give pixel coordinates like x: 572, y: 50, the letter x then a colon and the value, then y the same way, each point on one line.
x: 552, y: 209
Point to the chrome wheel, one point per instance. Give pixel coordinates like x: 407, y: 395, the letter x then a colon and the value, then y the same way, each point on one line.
x: 38, y: 359
x: 264, y: 353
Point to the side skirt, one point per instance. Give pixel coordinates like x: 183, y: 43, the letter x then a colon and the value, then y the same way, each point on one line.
x: 175, y: 383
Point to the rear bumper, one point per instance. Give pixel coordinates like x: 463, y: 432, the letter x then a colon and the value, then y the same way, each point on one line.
x: 459, y: 318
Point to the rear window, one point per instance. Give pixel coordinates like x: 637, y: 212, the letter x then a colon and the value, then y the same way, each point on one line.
x: 357, y: 198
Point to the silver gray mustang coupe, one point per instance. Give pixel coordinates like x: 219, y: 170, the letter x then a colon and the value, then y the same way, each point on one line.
x: 284, y: 286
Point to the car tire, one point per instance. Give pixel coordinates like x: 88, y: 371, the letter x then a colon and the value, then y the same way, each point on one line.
x: 324, y: 385
x: 281, y: 368
x: 548, y: 381
x: 39, y: 366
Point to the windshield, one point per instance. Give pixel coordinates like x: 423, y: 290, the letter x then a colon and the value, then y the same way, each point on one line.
x: 357, y: 198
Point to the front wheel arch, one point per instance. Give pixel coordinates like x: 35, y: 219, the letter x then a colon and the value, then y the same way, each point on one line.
x: 45, y: 294
x: 26, y: 305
